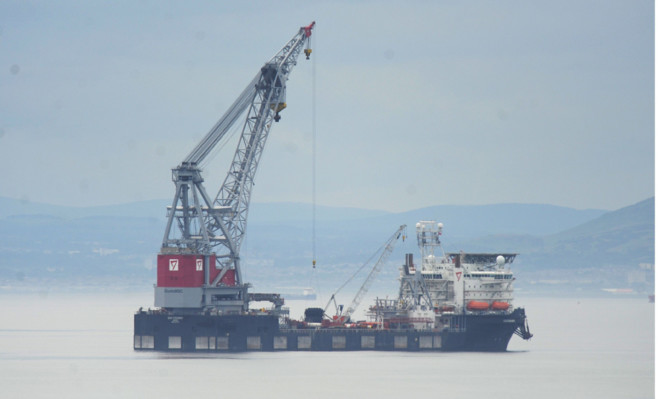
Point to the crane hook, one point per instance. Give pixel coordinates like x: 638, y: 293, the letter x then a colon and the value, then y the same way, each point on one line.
x: 308, y: 30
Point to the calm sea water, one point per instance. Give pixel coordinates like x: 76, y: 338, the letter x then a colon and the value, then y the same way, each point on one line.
x: 80, y: 346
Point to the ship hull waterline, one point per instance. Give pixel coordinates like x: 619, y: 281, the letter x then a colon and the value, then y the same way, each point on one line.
x: 164, y: 332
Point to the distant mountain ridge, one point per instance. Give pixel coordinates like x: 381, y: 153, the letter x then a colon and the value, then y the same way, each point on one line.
x: 263, y: 212
x: 607, y: 248
x: 616, y: 237
x: 68, y: 245
x: 150, y: 208
x: 476, y: 220
x: 639, y: 214
x: 460, y: 220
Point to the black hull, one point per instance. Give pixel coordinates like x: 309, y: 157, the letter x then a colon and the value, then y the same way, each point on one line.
x: 205, y: 333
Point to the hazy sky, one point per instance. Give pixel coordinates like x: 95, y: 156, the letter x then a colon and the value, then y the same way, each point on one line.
x: 417, y: 103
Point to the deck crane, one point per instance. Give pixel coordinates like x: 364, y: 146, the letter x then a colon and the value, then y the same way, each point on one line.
x: 344, y: 316
x: 199, y: 262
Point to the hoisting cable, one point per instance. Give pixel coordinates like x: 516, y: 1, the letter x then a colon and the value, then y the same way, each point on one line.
x: 314, y: 154
x: 314, y: 179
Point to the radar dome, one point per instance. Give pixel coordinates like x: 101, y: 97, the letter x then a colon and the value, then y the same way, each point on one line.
x: 500, y: 260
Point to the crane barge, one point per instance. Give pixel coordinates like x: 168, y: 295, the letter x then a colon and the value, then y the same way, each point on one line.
x: 202, y: 301
x: 200, y: 288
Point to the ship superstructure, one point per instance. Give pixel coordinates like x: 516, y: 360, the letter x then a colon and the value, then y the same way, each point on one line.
x: 451, y: 291
x: 458, y: 282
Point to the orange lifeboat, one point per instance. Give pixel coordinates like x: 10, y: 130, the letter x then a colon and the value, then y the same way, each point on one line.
x: 500, y: 305
x: 477, y: 305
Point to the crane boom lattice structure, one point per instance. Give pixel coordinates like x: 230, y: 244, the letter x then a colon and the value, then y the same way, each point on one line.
x: 203, y: 233
x: 388, y: 249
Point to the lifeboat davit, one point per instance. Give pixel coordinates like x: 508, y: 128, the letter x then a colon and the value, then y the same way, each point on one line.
x: 477, y: 305
x: 496, y: 305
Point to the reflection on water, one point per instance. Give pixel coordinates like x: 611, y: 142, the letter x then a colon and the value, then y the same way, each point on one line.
x: 81, y: 346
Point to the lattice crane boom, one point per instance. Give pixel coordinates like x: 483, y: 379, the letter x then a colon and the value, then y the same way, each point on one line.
x: 199, y: 224
x: 388, y: 249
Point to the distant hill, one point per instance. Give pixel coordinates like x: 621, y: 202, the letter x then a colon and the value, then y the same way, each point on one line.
x: 141, y: 209
x: 614, y: 250
x: 622, y: 237
x: 637, y: 216
x: 47, y: 244
x: 262, y: 212
x: 479, y: 220
x: 625, y: 236
x: 460, y: 220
